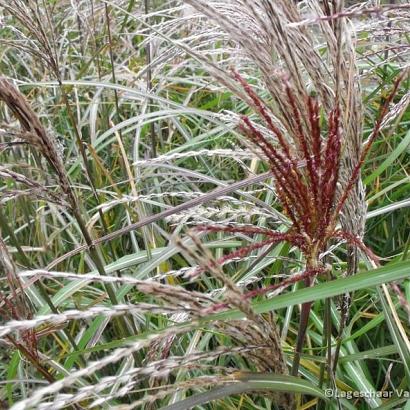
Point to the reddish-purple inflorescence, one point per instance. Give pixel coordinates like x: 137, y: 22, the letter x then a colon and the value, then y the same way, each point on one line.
x: 307, y: 194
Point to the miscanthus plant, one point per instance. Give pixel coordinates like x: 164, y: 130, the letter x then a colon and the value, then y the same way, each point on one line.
x: 306, y: 178
x: 183, y: 204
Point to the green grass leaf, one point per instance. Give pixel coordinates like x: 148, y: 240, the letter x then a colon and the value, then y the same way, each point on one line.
x: 389, y: 160
x: 251, y: 382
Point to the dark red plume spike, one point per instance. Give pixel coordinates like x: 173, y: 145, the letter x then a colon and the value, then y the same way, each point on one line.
x: 314, y: 120
x: 313, y: 111
x: 331, y: 169
x: 303, y: 142
x: 285, y: 178
x: 286, y: 203
x: 258, y: 138
x: 261, y: 108
x: 300, y: 187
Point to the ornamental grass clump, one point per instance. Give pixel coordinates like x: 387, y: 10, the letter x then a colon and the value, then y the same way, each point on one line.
x: 97, y: 302
x: 306, y: 179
